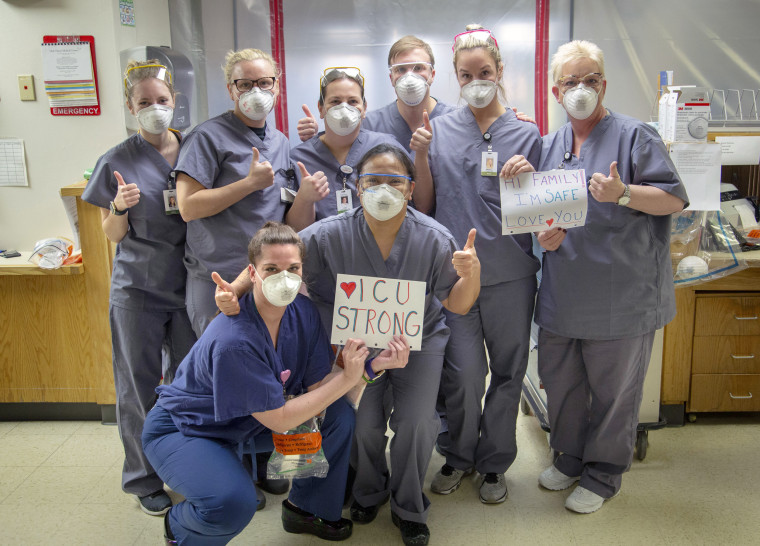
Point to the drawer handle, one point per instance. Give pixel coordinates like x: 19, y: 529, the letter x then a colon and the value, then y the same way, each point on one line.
x: 740, y: 397
x: 745, y: 318
x: 742, y: 357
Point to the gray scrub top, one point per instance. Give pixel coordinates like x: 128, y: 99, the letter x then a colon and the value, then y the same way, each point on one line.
x: 422, y: 251
x: 317, y: 157
x: 464, y: 199
x: 217, y: 153
x: 148, y: 274
x: 612, y: 278
x: 388, y: 120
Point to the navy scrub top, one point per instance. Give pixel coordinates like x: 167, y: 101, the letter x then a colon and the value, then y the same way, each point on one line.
x: 234, y: 370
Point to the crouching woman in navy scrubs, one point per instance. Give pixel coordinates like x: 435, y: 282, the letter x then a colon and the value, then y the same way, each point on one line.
x: 232, y: 389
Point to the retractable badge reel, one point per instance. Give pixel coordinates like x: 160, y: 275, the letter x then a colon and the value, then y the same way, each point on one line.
x: 489, y: 160
x: 170, y: 196
x: 288, y: 195
x: 343, y: 197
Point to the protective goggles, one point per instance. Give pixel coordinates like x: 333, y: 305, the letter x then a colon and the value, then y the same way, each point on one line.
x: 593, y: 80
x: 369, y: 180
x: 136, y: 74
x: 480, y: 34
x: 416, y: 68
x: 328, y: 76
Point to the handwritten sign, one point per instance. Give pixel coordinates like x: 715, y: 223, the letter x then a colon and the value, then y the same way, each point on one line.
x: 376, y: 309
x: 539, y: 201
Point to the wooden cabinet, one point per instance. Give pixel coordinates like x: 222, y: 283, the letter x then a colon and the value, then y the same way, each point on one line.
x: 55, y: 340
x: 711, y: 355
x: 725, y: 372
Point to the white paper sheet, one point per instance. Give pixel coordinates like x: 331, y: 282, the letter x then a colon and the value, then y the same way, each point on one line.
x: 698, y: 165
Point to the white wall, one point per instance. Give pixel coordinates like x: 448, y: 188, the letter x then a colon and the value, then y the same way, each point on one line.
x: 60, y: 148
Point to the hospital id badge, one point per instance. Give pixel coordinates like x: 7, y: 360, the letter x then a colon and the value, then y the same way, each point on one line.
x: 344, y: 199
x: 287, y: 195
x: 170, y: 202
x: 489, y: 163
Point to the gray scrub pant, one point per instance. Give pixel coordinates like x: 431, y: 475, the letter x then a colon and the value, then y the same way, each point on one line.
x: 594, y: 390
x: 484, y: 438
x: 199, y: 299
x: 139, y: 339
x: 414, y: 423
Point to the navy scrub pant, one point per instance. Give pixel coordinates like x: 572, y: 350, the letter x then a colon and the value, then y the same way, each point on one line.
x: 220, y: 495
x: 593, y: 391
x: 147, y: 345
x: 484, y: 438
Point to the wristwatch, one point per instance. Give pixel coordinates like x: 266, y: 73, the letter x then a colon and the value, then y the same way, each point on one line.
x: 624, y: 199
x: 115, y: 211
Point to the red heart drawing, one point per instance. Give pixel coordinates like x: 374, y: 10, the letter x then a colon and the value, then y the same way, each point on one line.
x: 348, y: 288
x: 550, y: 221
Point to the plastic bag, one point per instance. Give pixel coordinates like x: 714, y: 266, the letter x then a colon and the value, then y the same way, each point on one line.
x: 51, y: 253
x: 704, y: 247
x: 298, y: 453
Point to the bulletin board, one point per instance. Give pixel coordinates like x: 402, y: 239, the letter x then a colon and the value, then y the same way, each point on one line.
x: 71, y: 75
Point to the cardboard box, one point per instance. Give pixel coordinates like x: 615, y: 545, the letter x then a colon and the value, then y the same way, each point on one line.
x: 688, y: 112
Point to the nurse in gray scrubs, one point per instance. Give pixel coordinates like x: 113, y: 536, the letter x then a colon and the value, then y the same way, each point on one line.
x: 607, y: 286
x: 336, y: 151
x: 411, y: 69
x: 132, y: 183
x: 234, y: 174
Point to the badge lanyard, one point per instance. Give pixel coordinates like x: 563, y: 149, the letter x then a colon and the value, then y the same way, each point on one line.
x: 489, y: 161
x: 170, y: 196
x: 343, y: 197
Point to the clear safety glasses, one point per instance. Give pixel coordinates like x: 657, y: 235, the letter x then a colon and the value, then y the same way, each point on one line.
x: 336, y: 72
x: 370, y: 180
x: 416, y: 68
x: 593, y: 80
x: 138, y: 73
x: 481, y: 34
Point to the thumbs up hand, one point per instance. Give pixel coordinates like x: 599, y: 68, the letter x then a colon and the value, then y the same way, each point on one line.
x: 422, y: 136
x: 466, y: 261
x: 607, y: 189
x: 260, y: 175
x: 224, y: 296
x: 307, y: 127
x: 314, y: 187
x: 127, y: 195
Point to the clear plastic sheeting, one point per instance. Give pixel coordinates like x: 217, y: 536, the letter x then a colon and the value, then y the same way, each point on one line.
x: 704, y: 247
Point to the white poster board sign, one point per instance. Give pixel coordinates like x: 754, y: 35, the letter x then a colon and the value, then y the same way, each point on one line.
x: 539, y: 201
x: 375, y: 309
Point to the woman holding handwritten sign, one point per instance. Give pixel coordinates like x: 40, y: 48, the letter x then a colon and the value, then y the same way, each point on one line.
x: 385, y: 238
x: 466, y: 150
x: 607, y: 286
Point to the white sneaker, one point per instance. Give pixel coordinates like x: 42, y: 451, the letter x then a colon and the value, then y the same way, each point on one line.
x: 554, y: 480
x: 583, y: 501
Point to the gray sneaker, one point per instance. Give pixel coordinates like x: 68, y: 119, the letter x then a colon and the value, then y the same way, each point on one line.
x: 157, y: 503
x: 493, y: 489
x: 447, y: 479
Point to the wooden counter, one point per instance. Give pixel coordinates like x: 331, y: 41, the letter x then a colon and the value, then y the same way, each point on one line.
x: 55, y: 341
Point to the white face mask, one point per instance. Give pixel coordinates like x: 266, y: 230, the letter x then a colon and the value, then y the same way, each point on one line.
x: 382, y: 202
x: 343, y: 119
x: 479, y: 93
x: 580, y: 102
x: 411, y: 88
x: 155, y: 119
x: 281, y: 289
x: 256, y: 104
